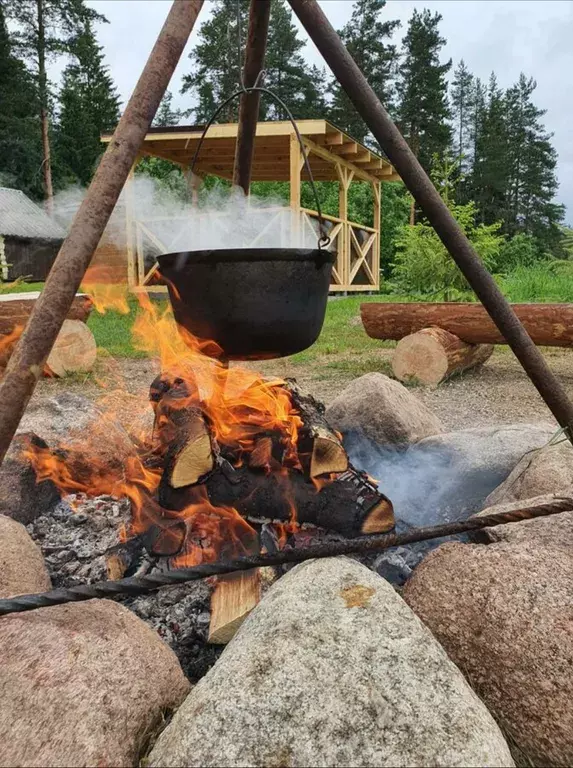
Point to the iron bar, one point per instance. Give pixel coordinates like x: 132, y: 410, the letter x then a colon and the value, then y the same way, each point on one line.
x: 367, y: 104
x: 362, y: 545
x: 26, y: 364
x: 259, y: 14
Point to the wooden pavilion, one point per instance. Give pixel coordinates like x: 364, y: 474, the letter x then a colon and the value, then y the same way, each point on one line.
x: 333, y: 156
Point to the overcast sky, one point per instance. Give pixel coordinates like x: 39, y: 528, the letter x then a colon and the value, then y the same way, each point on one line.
x: 507, y: 36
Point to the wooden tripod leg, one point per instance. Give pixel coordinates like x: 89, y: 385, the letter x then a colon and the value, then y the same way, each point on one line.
x: 249, y: 106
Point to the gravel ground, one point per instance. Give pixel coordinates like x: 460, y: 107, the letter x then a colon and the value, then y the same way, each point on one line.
x: 498, y: 393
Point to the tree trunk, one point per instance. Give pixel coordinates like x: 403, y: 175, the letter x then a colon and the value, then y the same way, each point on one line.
x: 44, y: 121
x: 548, y: 324
x: 432, y: 355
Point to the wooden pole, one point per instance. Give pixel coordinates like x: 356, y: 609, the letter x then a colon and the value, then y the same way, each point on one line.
x: 368, y: 106
x: 249, y: 105
x: 134, y: 276
x: 296, y: 162
x: 377, y: 192
x: 66, y: 275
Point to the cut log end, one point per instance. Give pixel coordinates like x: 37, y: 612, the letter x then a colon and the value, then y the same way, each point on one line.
x: 433, y: 354
x: 193, y: 462
x: 380, y: 518
x: 74, y: 350
x: 328, y: 457
x: 233, y: 599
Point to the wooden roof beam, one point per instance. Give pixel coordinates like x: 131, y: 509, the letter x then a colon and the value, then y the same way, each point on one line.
x: 350, y: 148
x: 334, y: 139
x: 335, y: 159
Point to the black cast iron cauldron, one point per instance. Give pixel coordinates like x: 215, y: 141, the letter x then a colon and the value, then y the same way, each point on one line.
x: 256, y: 303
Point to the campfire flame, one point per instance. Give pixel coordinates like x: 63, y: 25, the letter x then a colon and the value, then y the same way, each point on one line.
x: 239, y: 422
x: 238, y: 404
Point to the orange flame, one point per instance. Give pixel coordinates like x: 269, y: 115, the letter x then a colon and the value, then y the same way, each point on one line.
x: 238, y: 405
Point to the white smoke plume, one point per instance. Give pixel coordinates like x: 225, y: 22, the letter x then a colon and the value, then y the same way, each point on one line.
x: 223, y: 219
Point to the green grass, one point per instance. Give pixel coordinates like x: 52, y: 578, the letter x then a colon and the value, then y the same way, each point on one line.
x: 22, y: 287
x: 550, y: 281
x: 112, y: 331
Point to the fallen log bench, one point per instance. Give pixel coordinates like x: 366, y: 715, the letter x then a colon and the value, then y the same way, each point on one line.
x: 75, y: 347
x: 438, y: 340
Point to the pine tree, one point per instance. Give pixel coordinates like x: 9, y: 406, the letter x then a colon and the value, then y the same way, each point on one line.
x: 89, y: 106
x: 20, y: 155
x: 366, y: 36
x: 44, y: 30
x: 287, y: 73
x: 216, y: 71
x: 215, y: 59
x: 423, y: 111
x: 532, y: 181
x: 461, y: 96
x: 491, y: 172
x: 166, y: 115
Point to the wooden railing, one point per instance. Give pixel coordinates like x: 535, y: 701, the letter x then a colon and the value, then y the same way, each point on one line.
x: 357, y: 265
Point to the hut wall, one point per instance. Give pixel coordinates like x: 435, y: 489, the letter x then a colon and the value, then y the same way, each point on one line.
x: 31, y: 259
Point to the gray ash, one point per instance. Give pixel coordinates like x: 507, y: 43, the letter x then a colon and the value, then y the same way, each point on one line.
x: 74, y: 542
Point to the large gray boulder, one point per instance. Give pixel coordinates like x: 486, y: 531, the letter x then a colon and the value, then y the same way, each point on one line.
x: 382, y: 410
x: 332, y: 668
x: 504, y: 613
x: 447, y: 477
x: 22, y: 567
x: 83, y: 684
x: 546, y: 471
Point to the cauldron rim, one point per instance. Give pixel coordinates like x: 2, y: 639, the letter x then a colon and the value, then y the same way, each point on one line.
x: 246, y: 255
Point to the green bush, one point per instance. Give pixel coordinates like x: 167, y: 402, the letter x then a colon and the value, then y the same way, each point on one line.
x: 521, y: 251
x: 423, y: 266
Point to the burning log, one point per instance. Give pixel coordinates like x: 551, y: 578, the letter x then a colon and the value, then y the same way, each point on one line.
x: 184, y: 440
x: 432, y: 355
x: 317, y: 439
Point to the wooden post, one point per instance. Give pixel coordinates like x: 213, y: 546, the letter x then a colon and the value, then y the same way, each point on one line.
x: 259, y: 15
x: 133, y: 276
x: 296, y: 162
x: 345, y: 176
x: 377, y: 192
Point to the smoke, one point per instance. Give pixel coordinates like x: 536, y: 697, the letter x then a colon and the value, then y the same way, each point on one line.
x: 224, y: 218
x: 427, y: 484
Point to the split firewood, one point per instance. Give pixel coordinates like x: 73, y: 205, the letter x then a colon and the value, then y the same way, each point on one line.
x: 183, y: 438
x: 233, y: 598
x: 123, y: 557
x: 317, y: 440
x: 433, y: 354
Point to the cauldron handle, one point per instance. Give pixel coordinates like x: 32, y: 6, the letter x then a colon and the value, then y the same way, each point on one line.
x: 324, y: 239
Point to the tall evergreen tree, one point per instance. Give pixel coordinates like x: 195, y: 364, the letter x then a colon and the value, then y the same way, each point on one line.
x: 490, y: 180
x: 216, y: 71
x: 367, y: 37
x: 287, y: 73
x: 20, y: 156
x: 44, y: 29
x: 166, y: 115
x: 89, y: 106
x: 532, y: 181
x: 461, y: 95
x: 423, y: 111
